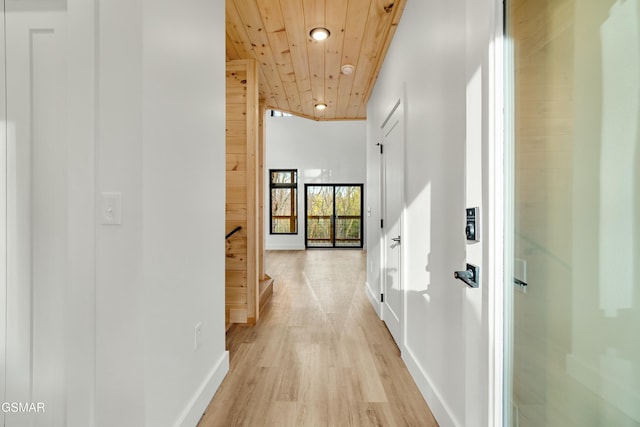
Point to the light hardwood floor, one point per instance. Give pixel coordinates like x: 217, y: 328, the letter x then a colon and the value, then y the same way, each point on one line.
x: 319, y: 356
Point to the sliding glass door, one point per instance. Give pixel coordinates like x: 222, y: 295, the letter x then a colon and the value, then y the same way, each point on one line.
x: 333, y: 215
x: 575, y: 297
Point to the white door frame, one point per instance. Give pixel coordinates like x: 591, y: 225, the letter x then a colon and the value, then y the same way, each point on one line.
x: 3, y: 213
x: 398, y: 106
x: 500, y: 200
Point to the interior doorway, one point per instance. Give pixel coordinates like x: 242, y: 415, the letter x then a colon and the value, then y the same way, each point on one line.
x: 392, y: 173
x: 333, y: 216
x: 36, y: 182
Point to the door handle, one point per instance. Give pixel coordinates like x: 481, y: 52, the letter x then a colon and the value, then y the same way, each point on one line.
x: 396, y: 239
x: 470, y: 276
x: 467, y: 277
x: 519, y: 282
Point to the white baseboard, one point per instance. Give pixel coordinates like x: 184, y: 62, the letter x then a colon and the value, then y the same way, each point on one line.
x: 439, y: 408
x: 373, y: 298
x: 284, y: 247
x: 199, y: 402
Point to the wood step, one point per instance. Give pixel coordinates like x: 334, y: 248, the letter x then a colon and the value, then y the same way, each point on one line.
x: 266, y: 290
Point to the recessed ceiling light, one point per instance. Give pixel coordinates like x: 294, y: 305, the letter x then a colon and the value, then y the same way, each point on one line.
x: 319, y: 33
x: 347, y: 69
x: 320, y: 107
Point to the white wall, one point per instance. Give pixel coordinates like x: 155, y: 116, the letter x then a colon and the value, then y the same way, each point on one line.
x: 119, y: 286
x: 323, y: 152
x: 438, y: 64
x: 160, y: 142
x: 80, y: 342
x: 183, y: 219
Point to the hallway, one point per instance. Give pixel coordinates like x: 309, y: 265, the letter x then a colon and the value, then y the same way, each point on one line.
x: 319, y: 356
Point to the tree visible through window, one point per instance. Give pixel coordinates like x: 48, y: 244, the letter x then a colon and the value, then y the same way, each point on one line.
x: 334, y: 215
x: 284, y: 201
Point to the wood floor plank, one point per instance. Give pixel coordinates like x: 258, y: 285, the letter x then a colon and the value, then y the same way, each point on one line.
x: 319, y: 355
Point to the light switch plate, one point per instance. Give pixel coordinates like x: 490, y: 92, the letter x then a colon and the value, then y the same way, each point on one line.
x: 111, y: 209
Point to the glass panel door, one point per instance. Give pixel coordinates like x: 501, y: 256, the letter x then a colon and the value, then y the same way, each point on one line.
x: 348, y: 216
x: 319, y: 216
x: 575, y: 299
x: 334, y: 215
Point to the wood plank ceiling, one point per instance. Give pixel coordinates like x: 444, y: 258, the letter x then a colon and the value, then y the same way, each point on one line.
x: 297, y: 72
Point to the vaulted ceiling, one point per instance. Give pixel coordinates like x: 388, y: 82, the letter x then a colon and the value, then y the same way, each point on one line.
x: 297, y: 72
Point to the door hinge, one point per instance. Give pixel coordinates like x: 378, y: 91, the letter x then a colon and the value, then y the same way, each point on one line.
x: 382, y: 223
x: 381, y: 149
x: 381, y: 297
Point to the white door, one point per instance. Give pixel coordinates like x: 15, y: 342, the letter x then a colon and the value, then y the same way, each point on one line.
x: 392, y: 201
x: 36, y: 211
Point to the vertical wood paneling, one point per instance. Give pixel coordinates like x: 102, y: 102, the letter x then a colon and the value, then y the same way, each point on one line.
x: 314, y: 15
x: 378, y: 25
x: 277, y: 34
x: 356, y: 22
x: 297, y: 72
x: 336, y: 13
x: 264, y: 88
x: 261, y: 186
x: 254, y: 29
x: 252, y: 191
x: 389, y: 30
x: 293, y: 14
x: 235, y: 34
x: 242, y: 190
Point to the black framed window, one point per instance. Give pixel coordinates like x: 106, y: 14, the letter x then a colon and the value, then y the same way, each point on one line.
x: 283, y: 185
x: 334, y: 215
